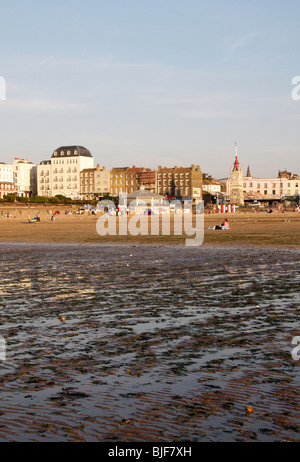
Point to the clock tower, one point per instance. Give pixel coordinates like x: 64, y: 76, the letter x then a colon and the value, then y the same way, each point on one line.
x: 236, y: 182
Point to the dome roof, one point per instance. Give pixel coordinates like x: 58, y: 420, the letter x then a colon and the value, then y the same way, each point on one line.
x: 71, y: 151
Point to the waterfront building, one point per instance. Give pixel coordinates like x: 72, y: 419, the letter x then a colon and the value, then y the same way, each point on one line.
x: 251, y: 188
x: 180, y: 182
x: 211, y: 186
x: 6, y: 180
x: 67, y: 162
x: 94, y: 183
x: 128, y: 179
x: 118, y: 178
x: 44, y: 179
x: 25, y: 178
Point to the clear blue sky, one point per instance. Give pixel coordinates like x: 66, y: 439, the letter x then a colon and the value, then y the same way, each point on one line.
x: 160, y: 82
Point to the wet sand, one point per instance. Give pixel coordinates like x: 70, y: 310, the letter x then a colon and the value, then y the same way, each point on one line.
x: 159, y: 343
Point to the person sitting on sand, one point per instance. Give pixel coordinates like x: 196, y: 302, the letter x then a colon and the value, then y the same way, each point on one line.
x: 225, y: 224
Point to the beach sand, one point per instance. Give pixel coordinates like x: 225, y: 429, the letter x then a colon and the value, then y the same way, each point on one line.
x: 261, y: 228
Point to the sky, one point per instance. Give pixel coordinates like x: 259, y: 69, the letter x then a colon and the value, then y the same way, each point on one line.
x: 148, y: 83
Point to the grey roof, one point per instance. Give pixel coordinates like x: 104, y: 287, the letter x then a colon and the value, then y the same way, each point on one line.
x: 66, y: 151
x: 143, y: 194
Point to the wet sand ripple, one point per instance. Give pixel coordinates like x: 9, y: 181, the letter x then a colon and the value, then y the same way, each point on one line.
x: 157, y: 343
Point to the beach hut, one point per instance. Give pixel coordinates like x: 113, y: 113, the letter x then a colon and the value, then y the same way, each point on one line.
x: 142, y: 200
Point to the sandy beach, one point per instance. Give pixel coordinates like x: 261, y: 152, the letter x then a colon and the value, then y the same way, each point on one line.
x: 261, y: 228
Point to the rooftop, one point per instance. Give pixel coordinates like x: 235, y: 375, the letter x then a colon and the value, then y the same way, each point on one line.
x: 71, y: 151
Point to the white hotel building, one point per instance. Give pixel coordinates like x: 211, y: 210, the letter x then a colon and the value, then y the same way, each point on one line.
x: 61, y: 175
x: 24, y: 178
x: 6, y: 179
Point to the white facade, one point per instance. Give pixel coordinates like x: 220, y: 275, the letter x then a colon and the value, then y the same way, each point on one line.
x: 211, y: 188
x: 6, y: 179
x: 66, y: 175
x: 268, y: 188
x: 44, y: 179
x: 25, y: 179
x: 292, y: 187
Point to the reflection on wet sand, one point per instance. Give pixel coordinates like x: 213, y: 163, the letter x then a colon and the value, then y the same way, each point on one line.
x: 157, y: 343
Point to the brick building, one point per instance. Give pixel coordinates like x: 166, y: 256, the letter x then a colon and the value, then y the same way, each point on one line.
x: 94, y: 183
x: 180, y: 182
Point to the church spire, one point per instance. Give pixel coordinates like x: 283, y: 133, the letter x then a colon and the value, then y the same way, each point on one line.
x: 248, y: 172
x: 236, y: 163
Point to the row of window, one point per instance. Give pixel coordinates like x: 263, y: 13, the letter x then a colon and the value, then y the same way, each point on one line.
x: 91, y: 174
x: 84, y: 189
x: 178, y: 192
x: 61, y: 179
x: 62, y: 161
x: 61, y: 186
x: 122, y: 182
x: 92, y: 181
x: 182, y: 182
x: 266, y: 185
x: 62, y: 153
x: 176, y: 175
